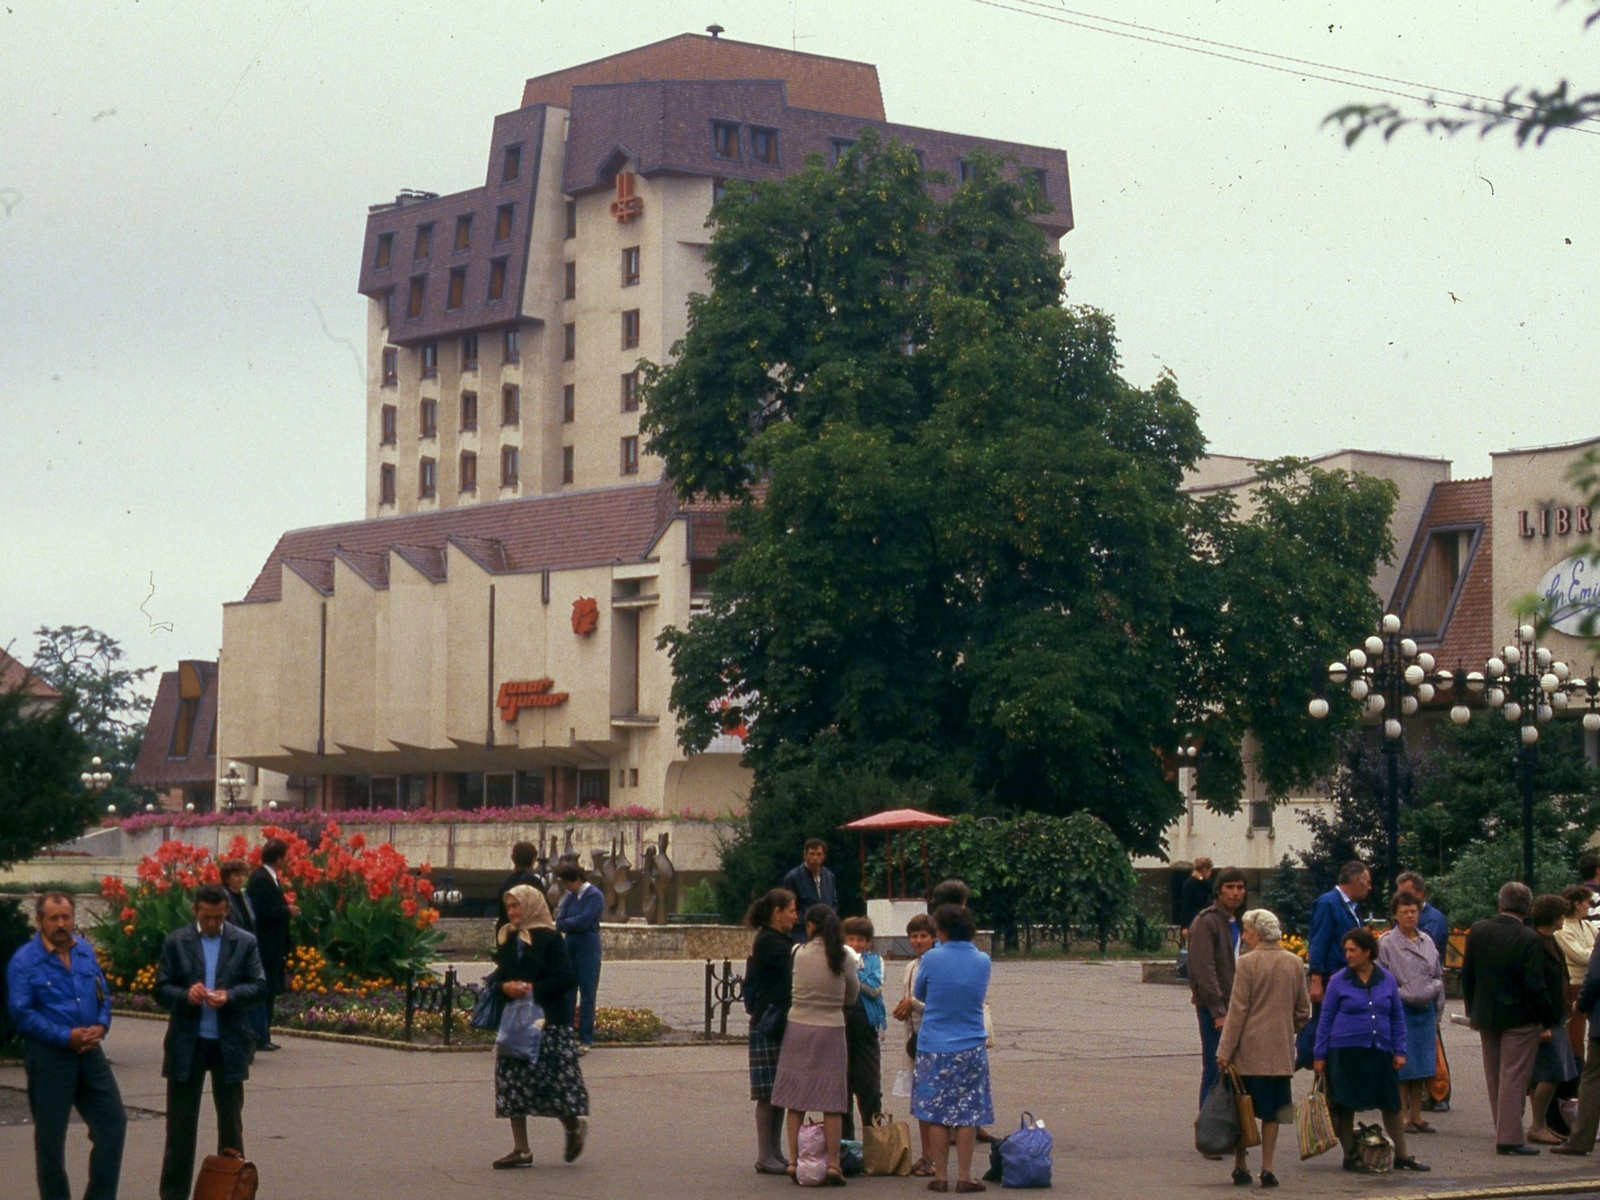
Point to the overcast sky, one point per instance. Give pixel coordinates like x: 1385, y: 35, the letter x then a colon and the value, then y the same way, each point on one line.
x: 183, y: 189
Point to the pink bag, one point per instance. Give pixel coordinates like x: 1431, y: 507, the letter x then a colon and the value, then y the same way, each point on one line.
x: 812, y: 1167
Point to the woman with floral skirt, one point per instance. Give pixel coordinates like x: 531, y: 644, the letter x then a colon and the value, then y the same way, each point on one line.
x: 531, y: 960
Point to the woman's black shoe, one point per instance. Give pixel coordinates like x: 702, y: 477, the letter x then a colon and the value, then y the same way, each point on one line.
x: 1268, y: 1179
x: 1410, y: 1164
x: 1241, y: 1178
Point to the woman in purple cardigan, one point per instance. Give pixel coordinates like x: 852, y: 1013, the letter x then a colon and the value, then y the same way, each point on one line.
x: 1361, y: 1045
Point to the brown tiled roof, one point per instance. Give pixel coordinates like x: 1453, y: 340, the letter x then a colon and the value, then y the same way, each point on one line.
x: 15, y: 676
x: 154, y: 768
x: 666, y: 129
x: 1468, y: 637
x: 814, y: 81
x: 564, y: 530
x: 524, y: 127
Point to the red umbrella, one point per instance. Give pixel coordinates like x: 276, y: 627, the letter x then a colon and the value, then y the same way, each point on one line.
x: 896, y: 820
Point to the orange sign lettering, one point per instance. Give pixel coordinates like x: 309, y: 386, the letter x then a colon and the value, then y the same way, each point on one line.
x: 585, y: 616
x: 527, y: 693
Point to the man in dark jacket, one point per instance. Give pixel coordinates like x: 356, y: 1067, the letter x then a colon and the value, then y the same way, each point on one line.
x: 209, y: 976
x: 273, y: 913
x: 578, y: 922
x: 1195, y: 897
x: 1502, y: 977
x: 811, y: 883
x: 522, y: 858
x: 1213, y: 952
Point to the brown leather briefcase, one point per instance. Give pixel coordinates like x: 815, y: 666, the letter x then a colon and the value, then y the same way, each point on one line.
x: 226, y: 1176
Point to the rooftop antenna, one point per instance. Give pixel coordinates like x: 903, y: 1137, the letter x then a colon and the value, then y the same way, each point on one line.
x: 714, y: 30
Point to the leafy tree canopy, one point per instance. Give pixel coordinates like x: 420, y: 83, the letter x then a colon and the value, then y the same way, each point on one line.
x: 107, y: 708
x: 1532, y: 113
x: 41, y: 757
x: 963, y: 550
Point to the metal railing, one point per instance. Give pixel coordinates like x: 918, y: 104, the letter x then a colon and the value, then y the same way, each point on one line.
x: 443, y: 997
x: 724, y: 989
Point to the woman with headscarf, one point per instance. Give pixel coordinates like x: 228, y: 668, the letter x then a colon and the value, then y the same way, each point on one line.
x: 531, y: 960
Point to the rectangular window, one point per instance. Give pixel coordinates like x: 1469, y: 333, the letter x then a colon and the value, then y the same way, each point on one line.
x: 414, y: 296
x: 511, y: 350
x: 463, y: 233
x: 510, y: 405
x: 572, y: 219
x: 725, y: 139
x: 630, y: 329
x: 569, y: 404
x: 468, y: 481
x: 469, y: 411
x: 719, y: 189
x: 508, y: 466
x: 502, y: 222
x: 388, y: 307
x: 570, y: 282
x: 1042, y: 178
x: 427, y: 478
x: 966, y: 170
x: 630, y: 266
x: 512, y: 166
x: 566, y: 464
x: 630, y: 456
x: 430, y: 359
x: 630, y: 392
x: 385, y: 252
x: 428, y: 418
x: 1444, y: 556
x: 497, y: 279
x: 390, y: 426
x: 764, y: 146
x: 837, y: 148
x: 469, y: 352
x: 391, y: 365
x: 424, y: 245
x: 386, y: 484
x: 569, y: 342
x: 458, y: 289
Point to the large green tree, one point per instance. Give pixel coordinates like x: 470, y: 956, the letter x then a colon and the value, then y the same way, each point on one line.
x: 965, y: 565
x: 41, y: 757
x: 107, y: 707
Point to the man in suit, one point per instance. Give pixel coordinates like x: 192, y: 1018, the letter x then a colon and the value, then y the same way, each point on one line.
x: 1502, y: 982
x: 61, y: 1006
x: 578, y: 922
x: 272, y: 916
x: 811, y: 883
x: 1336, y: 912
x: 522, y: 856
x: 209, y: 975
x: 1213, y: 951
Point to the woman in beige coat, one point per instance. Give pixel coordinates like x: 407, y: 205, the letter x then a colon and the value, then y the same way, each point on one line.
x: 1270, y: 1003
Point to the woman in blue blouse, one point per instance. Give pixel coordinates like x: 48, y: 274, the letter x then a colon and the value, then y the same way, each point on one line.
x: 950, y: 1089
x: 1361, y: 1044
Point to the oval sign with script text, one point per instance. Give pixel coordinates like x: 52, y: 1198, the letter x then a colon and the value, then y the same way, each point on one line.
x: 1572, y: 589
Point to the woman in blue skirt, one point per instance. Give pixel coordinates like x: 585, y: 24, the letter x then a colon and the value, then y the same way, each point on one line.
x: 950, y: 1089
x: 1411, y: 957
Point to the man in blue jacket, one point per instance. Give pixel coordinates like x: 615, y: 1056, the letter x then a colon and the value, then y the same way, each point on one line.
x: 1336, y: 912
x: 578, y: 921
x: 812, y: 883
x: 61, y: 1005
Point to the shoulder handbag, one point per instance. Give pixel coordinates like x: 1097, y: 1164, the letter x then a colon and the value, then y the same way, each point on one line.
x: 491, y: 1003
x: 772, y: 1023
x: 226, y: 1176
x: 886, y: 1146
x: 1313, y: 1122
x: 1249, y: 1130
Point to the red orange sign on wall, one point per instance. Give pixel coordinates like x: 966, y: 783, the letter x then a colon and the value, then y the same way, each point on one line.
x: 516, y: 695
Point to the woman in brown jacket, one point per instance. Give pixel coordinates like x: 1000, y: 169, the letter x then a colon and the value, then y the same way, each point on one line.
x: 1269, y: 1005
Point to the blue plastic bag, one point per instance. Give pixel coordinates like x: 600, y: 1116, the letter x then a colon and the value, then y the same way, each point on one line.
x: 521, y: 1030
x: 1025, y: 1156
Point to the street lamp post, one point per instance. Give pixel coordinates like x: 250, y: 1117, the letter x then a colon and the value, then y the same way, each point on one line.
x: 1529, y: 687
x: 233, y: 784
x: 95, y: 780
x: 1390, y: 678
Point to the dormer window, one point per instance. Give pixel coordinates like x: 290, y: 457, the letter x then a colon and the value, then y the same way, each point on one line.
x: 725, y: 139
x: 764, y: 146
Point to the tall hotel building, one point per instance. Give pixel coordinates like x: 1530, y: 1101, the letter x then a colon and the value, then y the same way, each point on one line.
x: 486, y: 635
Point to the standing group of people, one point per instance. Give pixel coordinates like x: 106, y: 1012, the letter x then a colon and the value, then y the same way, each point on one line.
x: 813, y: 988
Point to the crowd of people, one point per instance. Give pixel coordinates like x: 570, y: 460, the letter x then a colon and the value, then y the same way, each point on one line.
x: 1364, y: 1012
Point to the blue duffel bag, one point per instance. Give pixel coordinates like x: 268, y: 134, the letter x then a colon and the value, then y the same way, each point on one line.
x: 1025, y: 1156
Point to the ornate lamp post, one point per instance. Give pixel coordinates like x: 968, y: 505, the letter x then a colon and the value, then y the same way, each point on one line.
x: 1529, y: 687
x: 95, y: 780
x: 447, y: 894
x: 233, y: 786
x: 1391, y: 679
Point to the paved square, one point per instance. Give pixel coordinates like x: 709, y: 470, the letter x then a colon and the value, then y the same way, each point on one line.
x: 1110, y: 1064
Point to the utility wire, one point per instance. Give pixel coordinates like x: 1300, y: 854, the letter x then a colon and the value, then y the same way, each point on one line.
x: 1346, y: 76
